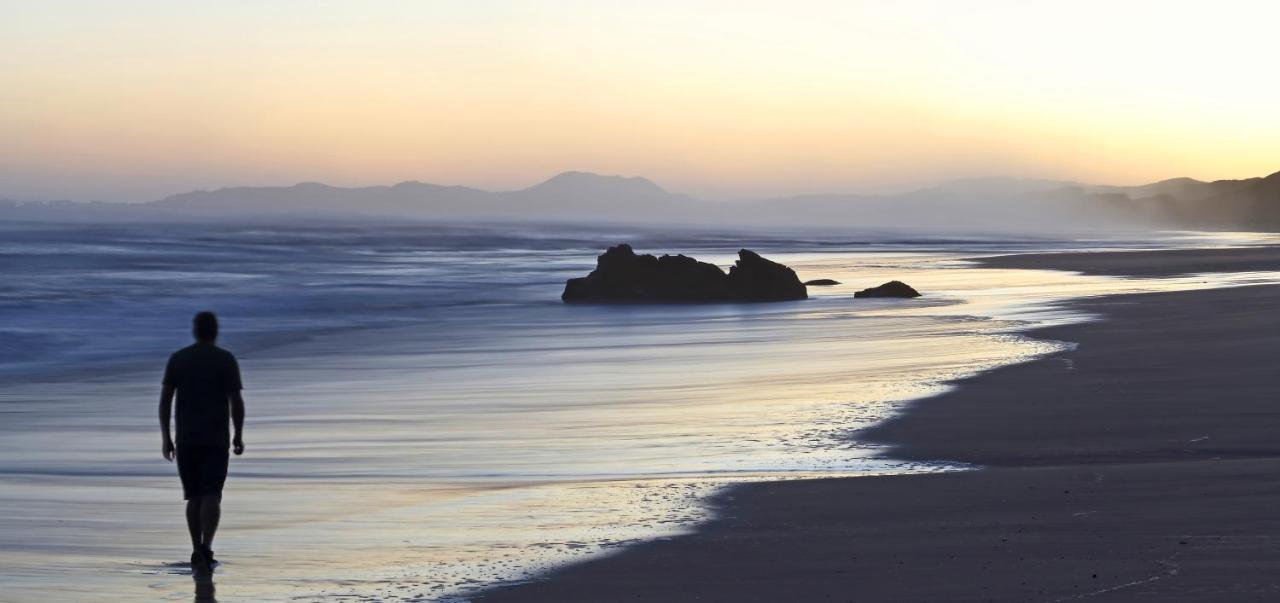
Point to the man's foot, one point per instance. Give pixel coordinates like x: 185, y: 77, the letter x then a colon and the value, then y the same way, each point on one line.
x: 208, y: 557
x: 200, y: 563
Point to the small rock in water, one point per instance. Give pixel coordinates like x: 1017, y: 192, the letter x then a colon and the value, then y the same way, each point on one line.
x: 821, y: 282
x: 889, y: 289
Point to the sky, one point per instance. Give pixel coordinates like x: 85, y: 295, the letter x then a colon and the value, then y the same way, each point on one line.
x: 133, y: 100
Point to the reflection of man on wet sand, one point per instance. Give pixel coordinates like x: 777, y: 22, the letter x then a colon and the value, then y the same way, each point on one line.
x: 206, y: 379
x: 205, y: 592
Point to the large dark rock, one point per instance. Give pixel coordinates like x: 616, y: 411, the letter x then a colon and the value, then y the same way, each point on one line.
x: 889, y: 289
x: 623, y: 276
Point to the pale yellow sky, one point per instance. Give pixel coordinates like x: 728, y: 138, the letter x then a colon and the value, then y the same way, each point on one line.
x: 131, y: 100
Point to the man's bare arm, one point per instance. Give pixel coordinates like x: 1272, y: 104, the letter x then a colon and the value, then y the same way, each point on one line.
x: 237, y: 419
x: 166, y: 409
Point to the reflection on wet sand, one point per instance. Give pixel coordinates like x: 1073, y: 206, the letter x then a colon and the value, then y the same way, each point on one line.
x: 206, y: 591
x: 499, y: 439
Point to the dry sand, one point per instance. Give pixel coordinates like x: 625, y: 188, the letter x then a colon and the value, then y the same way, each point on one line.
x: 1148, y: 263
x: 1142, y: 465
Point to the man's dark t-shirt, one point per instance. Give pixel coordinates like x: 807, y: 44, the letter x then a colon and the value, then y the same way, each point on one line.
x: 205, y: 376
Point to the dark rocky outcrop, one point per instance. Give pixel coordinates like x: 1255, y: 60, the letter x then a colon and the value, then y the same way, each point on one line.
x: 753, y: 278
x: 821, y: 282
x: 623, y: 276
x: 889, y: 289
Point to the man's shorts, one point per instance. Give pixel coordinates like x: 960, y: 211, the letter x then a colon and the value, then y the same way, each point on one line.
x: 203, y: 470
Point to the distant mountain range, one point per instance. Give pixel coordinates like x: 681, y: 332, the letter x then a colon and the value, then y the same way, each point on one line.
x: 571, y: 195
x: 989, y: 203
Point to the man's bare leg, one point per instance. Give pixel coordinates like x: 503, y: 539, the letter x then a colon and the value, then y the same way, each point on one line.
x: 210, y: 513
x: 193, y: 522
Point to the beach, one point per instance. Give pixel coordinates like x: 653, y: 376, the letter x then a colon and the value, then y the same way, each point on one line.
x: 1137, y: 464
x: 426, y: 418
x: 664, y: 301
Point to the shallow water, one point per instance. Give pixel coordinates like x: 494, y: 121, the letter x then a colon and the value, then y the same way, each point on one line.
x: 426, y: 417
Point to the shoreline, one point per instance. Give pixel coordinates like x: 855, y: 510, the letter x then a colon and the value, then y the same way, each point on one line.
x: 1142, y: 469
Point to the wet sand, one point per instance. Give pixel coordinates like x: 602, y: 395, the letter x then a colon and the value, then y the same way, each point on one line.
x: 1142, y: 465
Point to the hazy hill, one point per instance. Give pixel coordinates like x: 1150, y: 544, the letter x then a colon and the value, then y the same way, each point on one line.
x: 1254, y: 201
x: 312, y: 198
x: 1251, y: 203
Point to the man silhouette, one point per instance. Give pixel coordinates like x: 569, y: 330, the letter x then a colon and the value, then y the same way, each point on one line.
x: 207, y: 381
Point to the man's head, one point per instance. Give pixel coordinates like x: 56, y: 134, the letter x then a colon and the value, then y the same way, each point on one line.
x: 205, y: 327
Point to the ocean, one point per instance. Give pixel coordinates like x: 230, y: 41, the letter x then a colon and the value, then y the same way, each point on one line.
x: 425, y: 417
